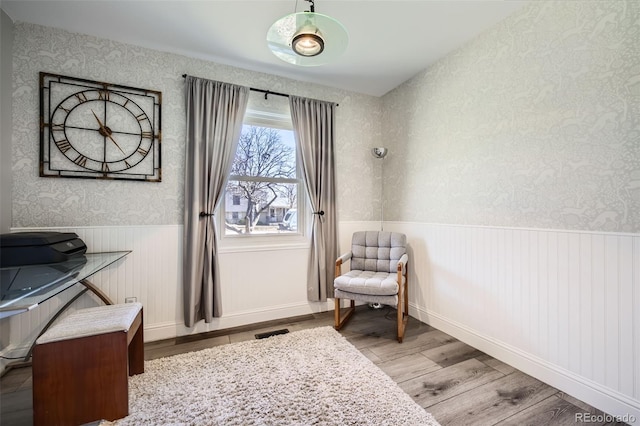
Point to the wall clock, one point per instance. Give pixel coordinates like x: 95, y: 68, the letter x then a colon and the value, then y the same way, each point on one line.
x: 91, y: 129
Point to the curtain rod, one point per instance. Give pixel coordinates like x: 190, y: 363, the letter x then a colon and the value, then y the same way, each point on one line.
x: 266, y: 92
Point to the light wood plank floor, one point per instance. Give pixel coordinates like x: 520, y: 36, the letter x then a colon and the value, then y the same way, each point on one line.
x: 458, y: 384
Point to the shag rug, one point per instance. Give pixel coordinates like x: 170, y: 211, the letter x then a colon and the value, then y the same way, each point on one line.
x: 308, y: 377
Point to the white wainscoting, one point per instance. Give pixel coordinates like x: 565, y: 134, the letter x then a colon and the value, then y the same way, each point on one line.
x: 562, y: 306
x: 257, y: 286
x: 150, y: 273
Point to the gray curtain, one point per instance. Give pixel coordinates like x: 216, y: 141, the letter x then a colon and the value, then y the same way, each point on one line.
x: 215, y: 112
x: 314, y: 129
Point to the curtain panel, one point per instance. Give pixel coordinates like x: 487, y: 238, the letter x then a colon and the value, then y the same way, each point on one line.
x: 215, y: 112
x: 314, y: 129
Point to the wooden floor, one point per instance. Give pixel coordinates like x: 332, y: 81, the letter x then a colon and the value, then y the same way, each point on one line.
x: 456, y: 383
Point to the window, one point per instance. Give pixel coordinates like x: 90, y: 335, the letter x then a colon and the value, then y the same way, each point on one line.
x: 263, y: 191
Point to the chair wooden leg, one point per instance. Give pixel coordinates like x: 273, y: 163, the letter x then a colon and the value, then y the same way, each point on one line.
x: 340, y: 321
x: 401, y: 321
x: 406, y: 299
x: 403, y: 311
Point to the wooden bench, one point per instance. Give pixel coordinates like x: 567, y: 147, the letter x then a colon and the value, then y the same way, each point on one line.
x: 82, y: 363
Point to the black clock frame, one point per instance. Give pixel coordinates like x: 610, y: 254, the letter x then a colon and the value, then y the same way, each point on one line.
x: 64, y: 165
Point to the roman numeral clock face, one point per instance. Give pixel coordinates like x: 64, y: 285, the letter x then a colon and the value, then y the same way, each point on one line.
x: 91, y: 129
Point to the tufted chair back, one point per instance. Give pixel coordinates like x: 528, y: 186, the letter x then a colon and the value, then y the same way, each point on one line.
x: 377, y: 251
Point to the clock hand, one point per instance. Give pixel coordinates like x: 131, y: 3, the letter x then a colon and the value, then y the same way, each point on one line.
x: 98, y: 120
x: 105, y: 131
x: 113, y: 140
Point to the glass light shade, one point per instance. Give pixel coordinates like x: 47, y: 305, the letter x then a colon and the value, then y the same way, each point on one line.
x: 332, y: 33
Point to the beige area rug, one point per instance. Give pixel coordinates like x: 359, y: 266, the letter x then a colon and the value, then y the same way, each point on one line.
x: 308, y: 377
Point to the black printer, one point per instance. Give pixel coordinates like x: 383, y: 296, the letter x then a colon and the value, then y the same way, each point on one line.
x: 31, y: 248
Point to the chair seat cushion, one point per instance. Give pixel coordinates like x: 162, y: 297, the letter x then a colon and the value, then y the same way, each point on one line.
x: 368, y: 282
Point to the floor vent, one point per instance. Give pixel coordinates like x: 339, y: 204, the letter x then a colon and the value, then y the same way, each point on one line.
x: 271, y: 333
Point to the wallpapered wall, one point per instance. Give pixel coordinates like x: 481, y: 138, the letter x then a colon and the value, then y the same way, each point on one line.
x: 6, y: 48
x: 45, y: 202
x: 535, y: 123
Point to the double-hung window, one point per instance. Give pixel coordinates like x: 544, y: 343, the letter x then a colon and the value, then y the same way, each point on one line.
x: 264, y: 192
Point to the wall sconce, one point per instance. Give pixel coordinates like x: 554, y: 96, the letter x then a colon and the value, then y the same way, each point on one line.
x: 379, y: 152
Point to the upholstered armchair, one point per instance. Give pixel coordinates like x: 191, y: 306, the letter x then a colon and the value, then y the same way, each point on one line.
x: 378, y: 274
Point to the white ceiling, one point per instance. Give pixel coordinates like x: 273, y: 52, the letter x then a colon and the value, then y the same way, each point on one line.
x: 389, y: 41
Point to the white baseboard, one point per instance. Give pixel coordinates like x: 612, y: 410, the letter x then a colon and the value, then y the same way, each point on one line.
x: 168, y: 330
x: 600, y: 397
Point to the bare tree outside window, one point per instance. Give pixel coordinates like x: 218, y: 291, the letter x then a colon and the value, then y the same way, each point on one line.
x: 263, y: 178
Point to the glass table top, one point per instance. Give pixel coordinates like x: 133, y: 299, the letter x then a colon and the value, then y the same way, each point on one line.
x: 22, y: 288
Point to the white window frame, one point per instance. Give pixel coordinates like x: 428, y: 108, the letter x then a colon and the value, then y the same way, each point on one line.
x: 253, y: 242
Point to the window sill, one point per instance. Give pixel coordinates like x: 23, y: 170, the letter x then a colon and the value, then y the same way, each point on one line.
x: 262, y: 243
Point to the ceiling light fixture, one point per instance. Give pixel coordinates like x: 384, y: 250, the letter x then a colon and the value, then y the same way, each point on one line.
x: 307, y: 41
x: 307, y: 38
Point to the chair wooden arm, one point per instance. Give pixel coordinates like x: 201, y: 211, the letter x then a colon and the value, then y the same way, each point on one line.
x: 402, y: 272
x: 402, y: 263
x: 340, y: 261
x: 403, y: 296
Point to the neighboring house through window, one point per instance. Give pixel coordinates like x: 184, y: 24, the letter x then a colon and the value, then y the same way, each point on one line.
x: 264, y: 185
